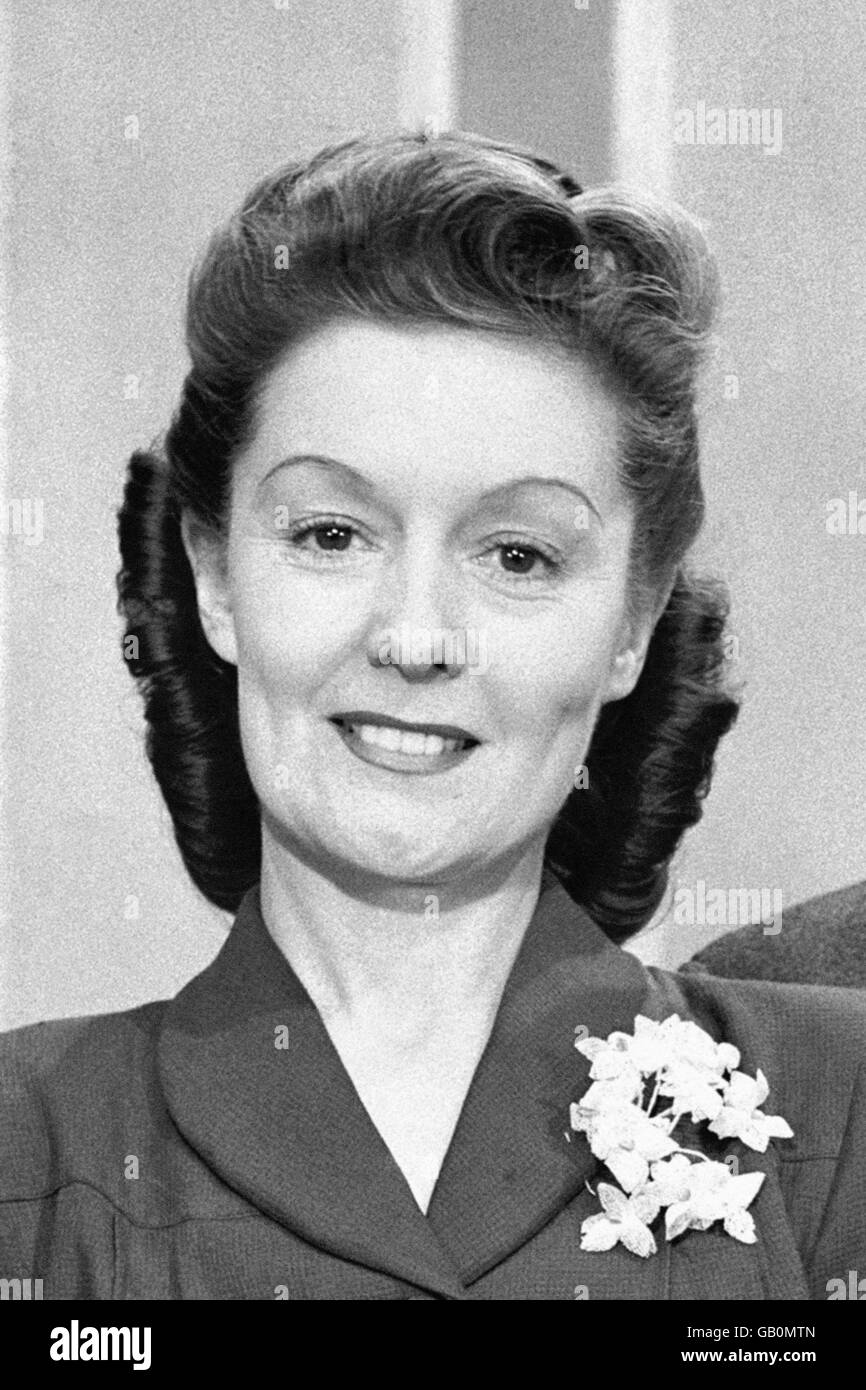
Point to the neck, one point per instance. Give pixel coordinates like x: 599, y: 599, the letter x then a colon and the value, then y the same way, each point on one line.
x: 413, y: 957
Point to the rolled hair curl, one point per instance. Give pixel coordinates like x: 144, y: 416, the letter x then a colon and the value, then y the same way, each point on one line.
x: 463, y: 231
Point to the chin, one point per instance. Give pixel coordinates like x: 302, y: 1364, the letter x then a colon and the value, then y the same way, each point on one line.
x: 394, y: 859
x: 407, y: 863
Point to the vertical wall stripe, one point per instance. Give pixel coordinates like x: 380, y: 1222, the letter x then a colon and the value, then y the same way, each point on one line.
x: 6, y: 542
x: 427, y: 85
x: 643, y: 103
x: 539, y: 73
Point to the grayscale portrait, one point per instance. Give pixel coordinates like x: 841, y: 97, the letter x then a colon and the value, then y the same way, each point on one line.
x: 433, y: 653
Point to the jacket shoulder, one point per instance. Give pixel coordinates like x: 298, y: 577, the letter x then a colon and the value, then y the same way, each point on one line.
x: 808, y: 1040
x: 35, y: 1047
x: 65, y: 1086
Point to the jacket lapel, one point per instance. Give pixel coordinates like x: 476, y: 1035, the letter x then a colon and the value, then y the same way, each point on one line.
x: 282, y: 1124
x: 510, y: 1167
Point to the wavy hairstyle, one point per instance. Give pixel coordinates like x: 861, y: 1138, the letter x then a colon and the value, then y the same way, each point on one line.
x: 461, y: 230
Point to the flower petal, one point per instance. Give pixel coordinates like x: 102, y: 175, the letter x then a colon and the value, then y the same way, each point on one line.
x: 629, y: 1167
x: 614, y: 1201
x: 729, y: 1056
x: 638, y: 1238
x: 741, y: 1225
x: 777, y: 1127
x: 645, y: 1204
x: 754, y: 1134
x: 597, y: 1233
x: 578, y: 1118
x: 743, y: 1190
x: 730, y: 1123
x: 763, y: 1090
x: 742, y: 1091
x: 677, y: 1220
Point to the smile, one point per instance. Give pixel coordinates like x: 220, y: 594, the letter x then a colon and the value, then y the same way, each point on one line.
x: 401, y: 749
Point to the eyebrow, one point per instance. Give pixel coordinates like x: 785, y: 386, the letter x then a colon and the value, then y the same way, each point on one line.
x: 364, y: 485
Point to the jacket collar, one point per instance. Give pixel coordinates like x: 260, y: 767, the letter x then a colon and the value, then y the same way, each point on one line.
x: 283, y: 1125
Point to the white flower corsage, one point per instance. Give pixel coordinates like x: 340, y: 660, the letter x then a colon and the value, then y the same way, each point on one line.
x: 642, y: 1085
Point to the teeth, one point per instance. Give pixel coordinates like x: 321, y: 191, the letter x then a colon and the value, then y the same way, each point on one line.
x: 422, y: 745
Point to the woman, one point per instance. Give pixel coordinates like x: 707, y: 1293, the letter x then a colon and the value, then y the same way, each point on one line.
x: 431, y: 699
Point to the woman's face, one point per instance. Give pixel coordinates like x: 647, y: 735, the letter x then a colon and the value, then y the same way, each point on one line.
x: 426, y: 528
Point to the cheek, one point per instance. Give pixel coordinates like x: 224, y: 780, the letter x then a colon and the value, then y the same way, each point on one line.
x: 287, y: 638
x: 553, y: 674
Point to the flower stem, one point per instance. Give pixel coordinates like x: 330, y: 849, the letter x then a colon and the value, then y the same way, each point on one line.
x: 654, y: 1096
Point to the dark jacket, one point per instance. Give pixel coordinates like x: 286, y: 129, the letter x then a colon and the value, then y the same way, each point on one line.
x: 821, y: 942
x: 174, y: 1151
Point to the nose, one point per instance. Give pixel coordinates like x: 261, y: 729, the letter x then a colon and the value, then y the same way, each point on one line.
x: 417, y: 626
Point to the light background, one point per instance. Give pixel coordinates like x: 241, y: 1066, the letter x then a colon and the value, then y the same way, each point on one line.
x: 99, y: 233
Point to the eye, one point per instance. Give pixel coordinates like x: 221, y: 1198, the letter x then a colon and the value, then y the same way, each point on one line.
x: 328, y: 536
x: 324, y: 540
x: 520, y: 561
x: 521, y: 556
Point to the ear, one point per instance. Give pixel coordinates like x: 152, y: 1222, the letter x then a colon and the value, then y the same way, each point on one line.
x: 206, y: 552
x: 626, y: 667
x: 630, y: 654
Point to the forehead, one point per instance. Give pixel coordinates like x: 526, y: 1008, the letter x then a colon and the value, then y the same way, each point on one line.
x: 473, y: 406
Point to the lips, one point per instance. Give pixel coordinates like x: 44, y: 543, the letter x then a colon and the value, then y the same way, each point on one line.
x: 352, y: 718
x: 399, y: 746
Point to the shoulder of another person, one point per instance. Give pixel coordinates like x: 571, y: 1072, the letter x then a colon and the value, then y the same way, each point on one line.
x: 819, y: 941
